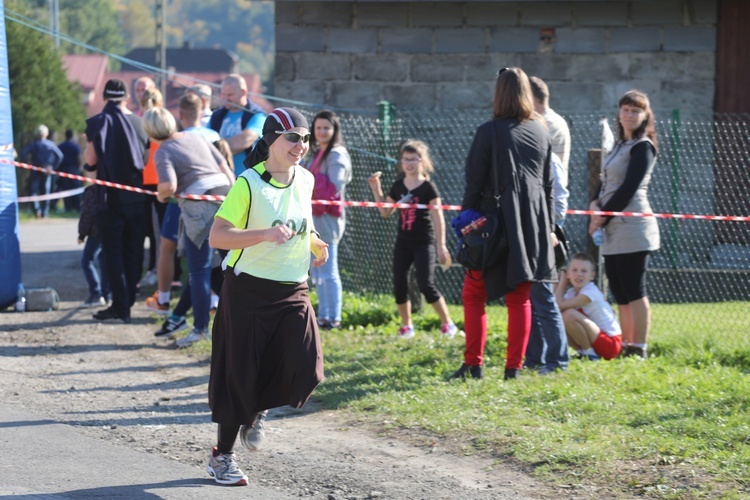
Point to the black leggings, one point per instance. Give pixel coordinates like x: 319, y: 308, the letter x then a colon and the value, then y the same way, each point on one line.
x: 422, y: 255
x: 626, y: 273
x: 152, y: 233
x: 227, y: 435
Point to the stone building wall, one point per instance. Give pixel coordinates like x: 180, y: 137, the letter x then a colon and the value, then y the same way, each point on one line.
x: 444, y: 55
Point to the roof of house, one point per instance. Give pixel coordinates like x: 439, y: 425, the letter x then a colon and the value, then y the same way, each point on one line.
x: 86, y: 69
x: 186, y: 59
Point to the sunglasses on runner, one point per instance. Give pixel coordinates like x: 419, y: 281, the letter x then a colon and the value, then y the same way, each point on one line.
x: 294, y: 136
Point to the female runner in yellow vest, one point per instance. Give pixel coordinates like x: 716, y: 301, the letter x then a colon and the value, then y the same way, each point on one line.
x: 266, y: 348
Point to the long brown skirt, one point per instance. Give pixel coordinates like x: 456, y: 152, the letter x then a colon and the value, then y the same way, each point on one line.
x: 265, y: 350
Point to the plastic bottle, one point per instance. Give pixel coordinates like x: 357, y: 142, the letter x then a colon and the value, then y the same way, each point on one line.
x: 598, y: 237
x: 21, y: 299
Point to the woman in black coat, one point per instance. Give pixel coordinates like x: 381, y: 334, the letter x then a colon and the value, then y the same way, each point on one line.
x: 516, y: 144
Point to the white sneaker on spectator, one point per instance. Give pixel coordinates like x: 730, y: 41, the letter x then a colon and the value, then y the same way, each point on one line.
x: 449, y: 330
x: 171, y: 326
x: 94, y: 301
x: 194, y: 336
x: 406, y: 332
x: 148, y: 279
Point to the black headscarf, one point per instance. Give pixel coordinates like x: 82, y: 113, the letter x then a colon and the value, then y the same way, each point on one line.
x: 280, y: 119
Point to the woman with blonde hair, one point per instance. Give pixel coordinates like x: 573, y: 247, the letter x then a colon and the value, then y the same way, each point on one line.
x: 513, y: 148
x: 154, y: 212
x: 188, y: 164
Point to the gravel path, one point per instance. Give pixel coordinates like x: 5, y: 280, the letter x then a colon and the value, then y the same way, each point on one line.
x: 117, y: 382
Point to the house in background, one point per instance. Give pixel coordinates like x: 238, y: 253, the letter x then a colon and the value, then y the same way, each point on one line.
x: 90, y: 73
x: 687, y: 54
x: 186, y: 59
x: 190, y: 65
x: 177, y: 84
x: 443, y: 56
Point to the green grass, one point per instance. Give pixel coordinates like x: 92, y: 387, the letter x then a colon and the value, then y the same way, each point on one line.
x: 26, y: 213
x: 674, y: 426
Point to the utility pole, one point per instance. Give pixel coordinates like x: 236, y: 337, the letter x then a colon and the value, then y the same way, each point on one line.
x: 161, y: 46
x: 54, y: 20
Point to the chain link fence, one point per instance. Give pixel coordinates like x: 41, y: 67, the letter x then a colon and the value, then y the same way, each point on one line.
x: 701, y: 169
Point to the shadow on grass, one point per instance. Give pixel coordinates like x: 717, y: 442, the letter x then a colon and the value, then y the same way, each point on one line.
x: 352, y: 380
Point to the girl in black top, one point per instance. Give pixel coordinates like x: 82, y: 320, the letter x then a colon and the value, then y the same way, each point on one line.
x: 421, y: 234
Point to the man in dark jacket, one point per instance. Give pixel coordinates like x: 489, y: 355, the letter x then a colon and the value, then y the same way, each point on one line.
x: 115, y: 150
x: 547, y: 350
x: 70, y: 164
x: 41, y: 153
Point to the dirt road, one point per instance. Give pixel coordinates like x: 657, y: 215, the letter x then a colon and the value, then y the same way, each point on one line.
x: 118, y: 383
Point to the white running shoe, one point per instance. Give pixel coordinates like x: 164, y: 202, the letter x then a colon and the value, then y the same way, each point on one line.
x: 224, y: 469
x: 252, y: 437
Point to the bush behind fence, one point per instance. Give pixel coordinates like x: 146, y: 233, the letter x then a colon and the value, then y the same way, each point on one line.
x: 701, y: 168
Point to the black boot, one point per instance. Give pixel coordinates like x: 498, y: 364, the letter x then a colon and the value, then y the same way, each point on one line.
x: 510, y: 373
x: 461, y: 372
x: 466, y: 370
x: 632, y: 350
x: 638, y: 352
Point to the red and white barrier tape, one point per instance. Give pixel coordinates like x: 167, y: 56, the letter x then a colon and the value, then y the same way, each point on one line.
x: 107, y: 183
x: 78, y: 177
x: 52, y: 196
x: 730, y: 218
x: 383, y: 204
x: 374, y: 204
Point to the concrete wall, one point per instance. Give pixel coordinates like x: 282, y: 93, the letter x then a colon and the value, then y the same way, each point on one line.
x: 444, y: 55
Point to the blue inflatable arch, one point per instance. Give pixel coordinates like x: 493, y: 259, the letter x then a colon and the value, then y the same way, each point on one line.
x: 10, y: 252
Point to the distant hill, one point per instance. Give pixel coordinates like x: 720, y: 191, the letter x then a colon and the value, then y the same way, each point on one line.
x: 243, y: 27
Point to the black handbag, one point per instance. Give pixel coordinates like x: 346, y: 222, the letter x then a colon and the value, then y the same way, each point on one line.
x: 483, y: 247
x: 562, y: 250
x: 484, y: 243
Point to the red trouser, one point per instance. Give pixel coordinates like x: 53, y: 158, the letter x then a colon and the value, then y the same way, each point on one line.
x: 474, y: 296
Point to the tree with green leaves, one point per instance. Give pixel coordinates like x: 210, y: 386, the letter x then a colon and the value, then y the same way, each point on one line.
x: 243, y: 26
x: 93, y: 22
x: 40, y: 92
